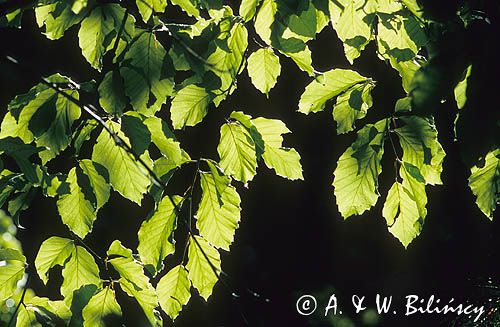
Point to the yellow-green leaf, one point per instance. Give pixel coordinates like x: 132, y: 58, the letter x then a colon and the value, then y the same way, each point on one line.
x: 326, y: 87
x: 484, y: 182
x: 173, y: 291
x: 264, y: 68
x: 203, y: 273
x: 356, y: 175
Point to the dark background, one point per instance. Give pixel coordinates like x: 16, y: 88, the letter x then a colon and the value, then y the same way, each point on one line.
x: 292, y: 239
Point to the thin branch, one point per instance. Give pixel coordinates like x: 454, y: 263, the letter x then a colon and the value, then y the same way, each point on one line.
x: 190, y: 197
x: 120, y: 31
x: 88, y: 248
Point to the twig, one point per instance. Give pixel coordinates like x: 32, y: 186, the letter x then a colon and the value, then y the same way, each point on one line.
x: 79, y: 239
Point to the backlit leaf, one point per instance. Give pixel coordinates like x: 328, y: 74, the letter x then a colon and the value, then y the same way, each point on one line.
x: 156, y: 239
x: 264, y: 68
x: 326, y: 87
x: 174, y: 291
x: 356, y: 175
x: 484, y: 182
x: 203, y: 273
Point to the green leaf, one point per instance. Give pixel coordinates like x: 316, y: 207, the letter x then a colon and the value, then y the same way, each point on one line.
x: 264, y: 68
x: 201, y: 271
x: 98, y: 32
x: 460, y: 90
x: 248, y: 9
x: 12, y: 266
x: 302, y: 58
x: 88, y: 192
x: 156, y: 238
x: 12, y: 19
x: 356, y: 175
x: 147, y: 7
x: 132, y: 125
x: 353, y: 24
x: 43, y: 115
x: 173, y: 291
x: 57, y: 18
x: 77, y: 212
x: 484, y: 182
x: 147, y: 72
x: 226, y: 59
x: 326, y: 87
x: 77, y: 303
x: 414, y: 7
x: 414, y: 182
x: 97, y: 176
x: 39, y: 311
x: 26, y: 317
x: 101, y: 306
x: 133, y: 281
x: 403, y: 105
x: 401, y: 213
x: 406, y: 70
x: 265, y: 19
x: 189, y: 6
x: 237, y: 152
x: 83, y: 134
x: 111, y: 94
x: 164, y: 139
x: 421, y: 148
x: 54, y: 251
x: 189, y: 106
x: 351, y: 106
x: 303, y: 20
x: 21, y: 152
x: 399, y: 35
x: 126, y: 175
x: 80, y: 270
x: 285, y: 161
x: 58, y: 135
x: 219, y: 212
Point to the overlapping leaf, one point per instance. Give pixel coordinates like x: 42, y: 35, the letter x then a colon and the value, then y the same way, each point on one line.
x: 44, y: 116
x: 285, y: 161
x: 133, y: 281
x: 326, y: 87
x: 126, y: 175
x: 79, y: 267
x: 421, y: 148
x: 356, y: 175
x: 147, y: 73
x: 219, y: 212
x: 101, y: 306
x: 57, y: 17
x: 190, y: 106
x: 147, y: 7
x: 351, y: 106
x: 98, y: 32
x: 88, y: 192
